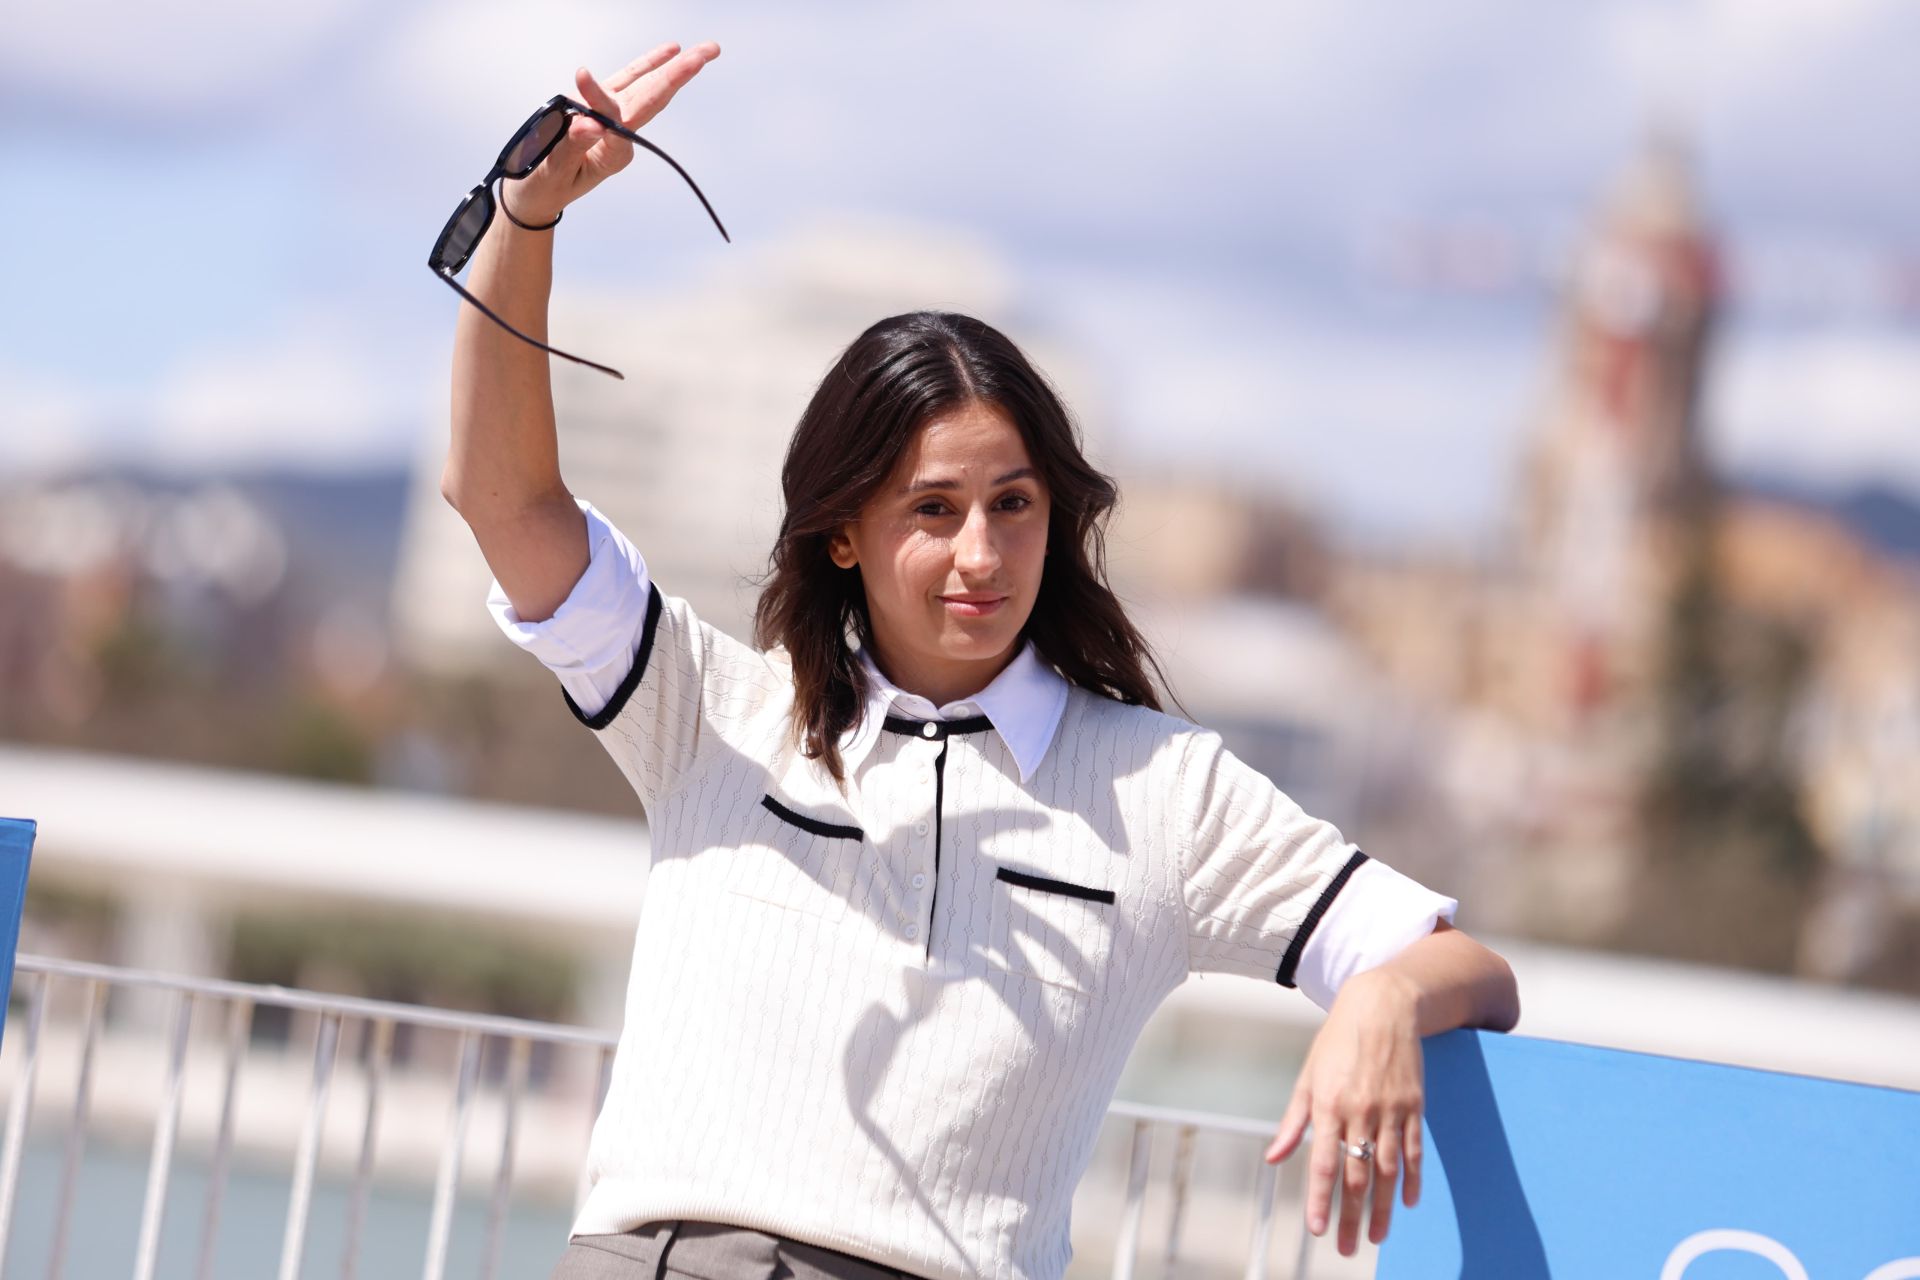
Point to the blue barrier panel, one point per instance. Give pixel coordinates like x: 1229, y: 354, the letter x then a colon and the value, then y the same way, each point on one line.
x: 16, y: 845
x: 1563, y: 1160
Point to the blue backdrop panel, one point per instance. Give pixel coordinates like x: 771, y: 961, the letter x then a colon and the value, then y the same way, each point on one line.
x: 16, y: 844
x: 1563, y: 1160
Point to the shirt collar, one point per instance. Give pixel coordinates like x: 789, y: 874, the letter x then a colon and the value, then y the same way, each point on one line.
x: 1024, y: 703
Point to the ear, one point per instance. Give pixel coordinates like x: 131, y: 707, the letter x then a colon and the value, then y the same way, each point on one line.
x: 840, y: 549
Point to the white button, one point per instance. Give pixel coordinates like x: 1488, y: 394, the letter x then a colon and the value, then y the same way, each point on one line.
x: 913, y: 931
x: 928, y: 729
x: 919, y: 881
x: 964, y: 709
x: 921, y: 827
x: 926, y: 775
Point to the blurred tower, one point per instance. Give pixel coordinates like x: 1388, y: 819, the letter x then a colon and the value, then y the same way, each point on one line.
x: 1615, y: 490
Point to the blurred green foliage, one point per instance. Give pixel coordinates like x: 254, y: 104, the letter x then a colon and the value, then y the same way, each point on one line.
x: 438, y: 960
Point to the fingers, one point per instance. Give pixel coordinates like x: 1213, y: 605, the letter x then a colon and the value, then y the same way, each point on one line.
x: 595, y: 95
x: 1386, y: 1172
x: 1410, y: 1193
x: 640, y: 66
x: 1293, y: 1126
x: 1322, y: 1168
x: 647, y: 96
x: 1355, y: 1176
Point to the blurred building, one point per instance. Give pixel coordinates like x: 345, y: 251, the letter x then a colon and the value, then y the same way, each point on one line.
x: 1636, y: 589
x: 685, y: 454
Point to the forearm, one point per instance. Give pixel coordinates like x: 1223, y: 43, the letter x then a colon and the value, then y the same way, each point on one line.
x: 503, y: 456
x: 1446, y: 980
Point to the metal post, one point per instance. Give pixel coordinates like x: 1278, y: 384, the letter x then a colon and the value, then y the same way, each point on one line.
x: 1176, y: 1216
x: 447, y: 1189
x: 154, y: 1212
x: 21, y: 1109
x: 603, y: 1080
x: 379, y: 1054
x: 239, y: 1023
x: 294, y: 1243
x: 503, y: 1177
x: 1264, y: 1182
x: 76, y: 1134
x: 1128, y: 1244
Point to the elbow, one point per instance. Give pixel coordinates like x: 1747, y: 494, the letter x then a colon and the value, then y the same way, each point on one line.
x: 450, y: 488
x: 1503, y: 1012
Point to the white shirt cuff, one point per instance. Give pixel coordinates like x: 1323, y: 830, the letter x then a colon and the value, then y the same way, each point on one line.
x: 1377, y: 914
x: 590, y: 640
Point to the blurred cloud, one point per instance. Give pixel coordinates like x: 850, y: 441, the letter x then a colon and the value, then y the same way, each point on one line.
x: 1181, y: 198
x: 114, y: 64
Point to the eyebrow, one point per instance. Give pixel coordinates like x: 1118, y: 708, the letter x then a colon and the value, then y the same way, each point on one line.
x: 919, y: 486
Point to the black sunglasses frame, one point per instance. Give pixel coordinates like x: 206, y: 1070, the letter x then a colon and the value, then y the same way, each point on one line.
x: 482, y: 192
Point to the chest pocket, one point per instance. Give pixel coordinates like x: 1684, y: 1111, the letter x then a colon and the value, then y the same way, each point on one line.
x: 801, y: 861
x: 1052, y: 930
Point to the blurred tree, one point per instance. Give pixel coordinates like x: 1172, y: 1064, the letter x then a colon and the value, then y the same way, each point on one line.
x: 1729, y: 864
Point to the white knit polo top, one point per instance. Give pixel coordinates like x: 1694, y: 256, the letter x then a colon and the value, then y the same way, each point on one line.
x: 889, y: 1019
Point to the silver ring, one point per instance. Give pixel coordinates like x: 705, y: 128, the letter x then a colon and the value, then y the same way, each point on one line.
x: 1361, y: 1150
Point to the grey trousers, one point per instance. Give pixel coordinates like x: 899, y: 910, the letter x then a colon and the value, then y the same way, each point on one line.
x: 710, y: 1251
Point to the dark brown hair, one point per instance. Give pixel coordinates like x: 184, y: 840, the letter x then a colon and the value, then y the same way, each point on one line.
x: 893, y: 378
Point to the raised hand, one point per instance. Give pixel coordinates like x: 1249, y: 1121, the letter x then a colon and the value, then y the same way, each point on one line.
x: 589, y: 154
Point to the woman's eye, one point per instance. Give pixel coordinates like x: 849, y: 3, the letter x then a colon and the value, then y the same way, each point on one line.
x: 1016, y: 501
x: 930, y: 509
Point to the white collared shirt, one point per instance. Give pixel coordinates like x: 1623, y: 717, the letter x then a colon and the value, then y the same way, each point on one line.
x: 918, y: 987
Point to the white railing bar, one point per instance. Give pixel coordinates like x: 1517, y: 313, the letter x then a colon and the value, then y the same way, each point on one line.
x: 77, y: 1134
x: 602, y: 1083
x: 518, y: 1053
x: 1304, y: 1258
x: 160, y: 1166
x: 20, y: 1109
x: 1264, y: 1184
x: 1177, y: 1213
x: 447, y: 1187
x: 326, y: 1037
x: 1127, y: 1247
x: 344, y: 1006
x: 1209, y: 1120
x: 379, y: 1055
x: 239, y: 1024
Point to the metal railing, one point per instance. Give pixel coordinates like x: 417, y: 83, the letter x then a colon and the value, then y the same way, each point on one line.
x: 516, y: 1040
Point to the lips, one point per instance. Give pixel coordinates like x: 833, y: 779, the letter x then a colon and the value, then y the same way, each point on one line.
x: 972, y: 606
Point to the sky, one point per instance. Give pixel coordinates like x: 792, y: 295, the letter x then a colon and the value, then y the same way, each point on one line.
x: 218, y: 212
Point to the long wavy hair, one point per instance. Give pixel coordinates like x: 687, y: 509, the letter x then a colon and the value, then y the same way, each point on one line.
x: 896, y: 376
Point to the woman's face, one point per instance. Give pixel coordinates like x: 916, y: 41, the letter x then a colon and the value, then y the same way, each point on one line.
x: 951, y: 551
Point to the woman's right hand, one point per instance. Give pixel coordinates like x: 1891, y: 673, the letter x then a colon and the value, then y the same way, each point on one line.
x: 589, y: 155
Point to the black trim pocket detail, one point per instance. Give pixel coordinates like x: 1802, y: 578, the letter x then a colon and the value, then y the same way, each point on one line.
x: 1028, y: 881
x: 605, y: 715
x: 1291, y: 961
x: 833, y: 830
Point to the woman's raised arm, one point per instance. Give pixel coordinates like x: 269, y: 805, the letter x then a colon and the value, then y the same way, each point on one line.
x: 503, y: 471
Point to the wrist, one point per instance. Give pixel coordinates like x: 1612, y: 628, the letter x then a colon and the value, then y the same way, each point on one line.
x: 526, y: 215
x: 1384, y: 992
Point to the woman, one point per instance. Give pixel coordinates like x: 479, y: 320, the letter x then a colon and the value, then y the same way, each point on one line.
x: 925, y: 859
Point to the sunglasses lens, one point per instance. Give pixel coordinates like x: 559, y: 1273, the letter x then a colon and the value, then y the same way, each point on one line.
x: 524, y: 152
x: 463, y: 232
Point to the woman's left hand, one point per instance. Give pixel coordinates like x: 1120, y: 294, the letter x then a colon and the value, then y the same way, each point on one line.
x: 1362, y: 1081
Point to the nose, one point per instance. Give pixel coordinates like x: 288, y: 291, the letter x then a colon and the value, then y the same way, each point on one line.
x: 975, y: 553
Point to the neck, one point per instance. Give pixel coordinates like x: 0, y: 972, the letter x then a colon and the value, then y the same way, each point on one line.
x: 941, y: 682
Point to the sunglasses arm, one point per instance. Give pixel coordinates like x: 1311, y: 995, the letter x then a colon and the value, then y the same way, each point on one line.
x: 489, y: 314
x: 635, y: 138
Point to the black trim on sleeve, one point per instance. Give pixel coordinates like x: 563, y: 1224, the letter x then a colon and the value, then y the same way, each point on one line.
x: 802, y: 821
x: 1291, y: 961
x: 1026, y: 880
x: 605, y: 716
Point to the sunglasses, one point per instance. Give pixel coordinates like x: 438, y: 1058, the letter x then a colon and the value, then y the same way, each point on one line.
x: 523, y: 153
